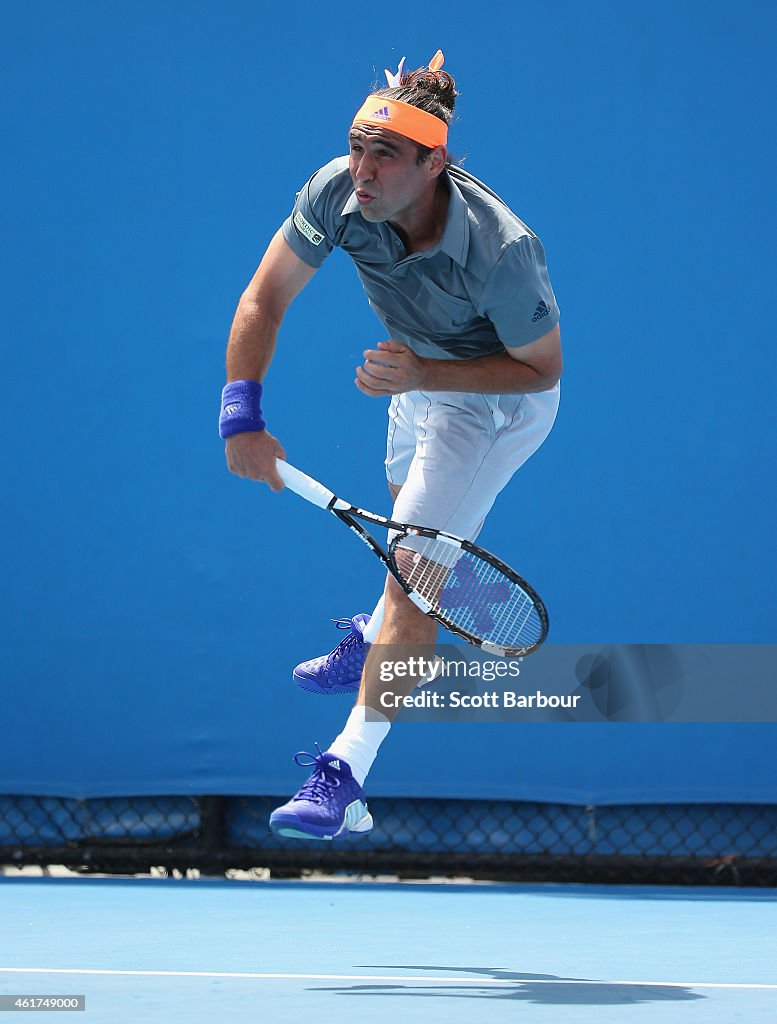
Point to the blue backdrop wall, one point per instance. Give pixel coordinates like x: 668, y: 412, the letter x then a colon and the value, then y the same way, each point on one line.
x: 153, y: 605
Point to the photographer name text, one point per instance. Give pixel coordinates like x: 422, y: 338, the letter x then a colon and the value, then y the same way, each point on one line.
x: 490, y: 699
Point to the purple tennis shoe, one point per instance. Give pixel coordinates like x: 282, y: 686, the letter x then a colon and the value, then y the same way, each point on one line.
x: 340, y: 671
x: 330, y: 804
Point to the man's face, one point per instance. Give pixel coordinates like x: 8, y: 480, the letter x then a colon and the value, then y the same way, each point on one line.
x: 385, y: 172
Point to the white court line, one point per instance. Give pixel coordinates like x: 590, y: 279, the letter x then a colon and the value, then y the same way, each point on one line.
x: 515, y: 982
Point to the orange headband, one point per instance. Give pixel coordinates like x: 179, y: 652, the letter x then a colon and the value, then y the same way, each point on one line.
x: 403, y: 118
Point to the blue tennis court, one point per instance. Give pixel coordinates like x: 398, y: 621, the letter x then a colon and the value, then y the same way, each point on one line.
x: 239, y: 951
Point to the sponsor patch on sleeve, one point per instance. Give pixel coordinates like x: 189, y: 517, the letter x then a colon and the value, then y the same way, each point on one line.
x: 306, y: 228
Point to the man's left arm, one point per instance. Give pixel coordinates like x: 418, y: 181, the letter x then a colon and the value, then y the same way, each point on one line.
x: 517, y: 297
x: 393, y: 368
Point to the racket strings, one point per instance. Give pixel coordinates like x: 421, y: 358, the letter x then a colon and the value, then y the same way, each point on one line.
x: 513, y: 617
x: 515, y: 613
x: 470, y: 593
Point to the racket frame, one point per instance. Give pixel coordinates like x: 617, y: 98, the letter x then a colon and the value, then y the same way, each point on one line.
x: 348, y: 514
x: 314, y: 492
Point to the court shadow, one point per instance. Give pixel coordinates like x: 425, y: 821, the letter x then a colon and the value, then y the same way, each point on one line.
x: 547, y: 989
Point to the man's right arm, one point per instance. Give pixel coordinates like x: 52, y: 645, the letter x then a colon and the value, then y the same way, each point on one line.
x: 280, y: 277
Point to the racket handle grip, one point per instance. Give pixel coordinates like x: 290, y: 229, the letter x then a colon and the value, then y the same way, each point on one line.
x: 303, y: 485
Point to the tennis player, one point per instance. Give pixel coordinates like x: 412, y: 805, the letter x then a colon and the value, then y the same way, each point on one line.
x: 470, y: 367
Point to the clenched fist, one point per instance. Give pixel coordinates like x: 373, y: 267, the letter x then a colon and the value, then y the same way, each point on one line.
x: 391, y: 369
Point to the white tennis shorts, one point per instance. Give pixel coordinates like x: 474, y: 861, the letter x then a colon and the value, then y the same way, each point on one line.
x: 453, y: 453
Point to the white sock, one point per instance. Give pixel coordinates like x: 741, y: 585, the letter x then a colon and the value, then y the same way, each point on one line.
x: 358, y: 743
x: 372, y: 628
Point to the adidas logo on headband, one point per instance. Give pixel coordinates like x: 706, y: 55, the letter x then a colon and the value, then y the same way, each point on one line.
x: 382, y: 114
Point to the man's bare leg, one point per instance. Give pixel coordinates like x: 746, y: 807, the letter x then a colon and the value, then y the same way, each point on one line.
x: 404, y: 632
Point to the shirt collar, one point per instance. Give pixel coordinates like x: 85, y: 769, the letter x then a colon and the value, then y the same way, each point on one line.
x: 455, y: 236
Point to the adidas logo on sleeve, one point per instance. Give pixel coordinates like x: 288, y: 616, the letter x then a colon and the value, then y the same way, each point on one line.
x: 542, y: 310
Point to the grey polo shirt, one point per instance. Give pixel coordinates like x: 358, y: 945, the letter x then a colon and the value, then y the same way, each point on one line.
x: 483, y: 286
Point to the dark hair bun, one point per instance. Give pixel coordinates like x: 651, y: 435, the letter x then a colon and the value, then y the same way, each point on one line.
x: 432, y: 91
x: 438, y: 84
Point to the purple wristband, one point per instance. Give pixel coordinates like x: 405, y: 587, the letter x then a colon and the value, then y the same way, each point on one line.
x: 240, y: 408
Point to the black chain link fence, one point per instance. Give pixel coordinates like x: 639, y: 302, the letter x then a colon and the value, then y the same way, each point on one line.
x: 708, y: 844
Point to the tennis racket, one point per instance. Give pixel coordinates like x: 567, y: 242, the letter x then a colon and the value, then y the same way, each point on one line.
x: 468, y: 590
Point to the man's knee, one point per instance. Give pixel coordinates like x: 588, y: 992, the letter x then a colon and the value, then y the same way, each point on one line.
x: 395, y: 595
x: 398, y: 604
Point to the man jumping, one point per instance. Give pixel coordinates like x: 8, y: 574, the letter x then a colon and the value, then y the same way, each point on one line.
x: 472, y: 371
